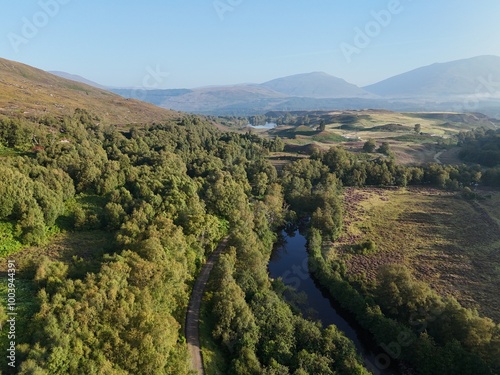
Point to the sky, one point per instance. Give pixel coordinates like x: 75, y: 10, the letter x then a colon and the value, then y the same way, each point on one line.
x: 194, y: 43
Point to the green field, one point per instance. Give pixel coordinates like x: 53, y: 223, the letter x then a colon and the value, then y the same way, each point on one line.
x: 451, y: 243
x: 353, y: 128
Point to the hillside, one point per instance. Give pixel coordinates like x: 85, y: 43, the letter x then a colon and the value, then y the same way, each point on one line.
x: 317, y: 85
x: 43, y: 93
x: 478, y: 75
x: 209, y: 99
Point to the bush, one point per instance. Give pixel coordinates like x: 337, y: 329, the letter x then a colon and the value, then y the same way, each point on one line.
x: 366, y: 247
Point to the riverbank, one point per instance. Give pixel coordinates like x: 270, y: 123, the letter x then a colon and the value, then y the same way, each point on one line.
x: 290, y: 263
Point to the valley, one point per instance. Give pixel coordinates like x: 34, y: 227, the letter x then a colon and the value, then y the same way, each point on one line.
x: 119, y: 205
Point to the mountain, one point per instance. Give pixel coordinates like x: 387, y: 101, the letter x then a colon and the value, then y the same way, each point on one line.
x: 309, y: 91
x: 77, y: 78
x: 33, y: 92
x: 317, y: 85
x: 478, y: 76
x: 209, y: 100
x: 213, y: 99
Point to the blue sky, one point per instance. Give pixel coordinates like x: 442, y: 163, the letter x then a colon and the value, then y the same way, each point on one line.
x: 190, y: 43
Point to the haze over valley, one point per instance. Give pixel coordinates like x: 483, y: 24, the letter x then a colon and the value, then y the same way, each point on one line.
x: 469, y: 85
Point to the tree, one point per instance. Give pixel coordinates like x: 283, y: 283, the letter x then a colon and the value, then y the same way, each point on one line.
x: 385, y: 148
x: 322, y: 126
x: 369, y: 145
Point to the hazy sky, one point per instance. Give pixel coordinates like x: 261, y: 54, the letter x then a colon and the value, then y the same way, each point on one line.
x: 190, y: 43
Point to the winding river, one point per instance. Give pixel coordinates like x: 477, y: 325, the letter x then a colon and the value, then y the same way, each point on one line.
x: 289, y: 262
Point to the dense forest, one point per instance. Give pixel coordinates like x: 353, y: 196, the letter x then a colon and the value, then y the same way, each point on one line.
x: 167, y: 194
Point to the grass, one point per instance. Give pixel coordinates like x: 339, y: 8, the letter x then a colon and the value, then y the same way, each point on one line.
x: 9, y: 243
x: 450, y: 243
x: 327, y: 137
x: 26, y: 91
x: 414, y: 138
x: 6, y: 152
x: 81, y: 250
x: 353, y: 128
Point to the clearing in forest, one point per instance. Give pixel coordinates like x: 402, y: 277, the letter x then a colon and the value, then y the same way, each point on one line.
x: 451, y: 243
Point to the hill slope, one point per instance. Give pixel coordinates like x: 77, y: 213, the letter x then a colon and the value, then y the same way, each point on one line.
x: 477, y: 75
x: 316, y: 85
x: 31, y: 92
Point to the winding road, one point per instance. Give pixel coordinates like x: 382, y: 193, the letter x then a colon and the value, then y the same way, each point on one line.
x: 193, y: 312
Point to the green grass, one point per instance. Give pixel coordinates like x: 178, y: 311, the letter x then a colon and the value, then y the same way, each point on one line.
x: 6, y: 152
x: 292, y: 133
x: 9, y: 243
x: 415, y: 138
x: 328, y: 137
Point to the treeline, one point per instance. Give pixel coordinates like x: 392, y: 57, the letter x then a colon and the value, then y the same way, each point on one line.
x: 354, y: 170
x: 312, y: 186
x: 482, y: 146
x: 412, y: 322
x: 435, y: 336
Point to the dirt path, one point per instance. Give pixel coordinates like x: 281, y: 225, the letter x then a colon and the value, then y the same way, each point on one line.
x: 193, y: 313
x: 437, y: 157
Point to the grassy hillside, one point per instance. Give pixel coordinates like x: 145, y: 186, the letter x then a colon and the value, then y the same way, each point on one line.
x: 31, y: 92
x: 353, y: 128
x: 449, y: 242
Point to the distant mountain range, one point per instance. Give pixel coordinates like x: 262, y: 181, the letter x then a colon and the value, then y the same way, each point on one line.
x: 476, y: 76
x: 469, y: 85
x: 317, y: 85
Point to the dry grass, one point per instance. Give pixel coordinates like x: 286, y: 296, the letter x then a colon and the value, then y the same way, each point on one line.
x: 88, y: 246
x: 30, y: 92
x: 451, y: 243
x: 409, y: 148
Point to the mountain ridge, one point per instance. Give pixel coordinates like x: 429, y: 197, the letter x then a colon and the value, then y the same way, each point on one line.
x: 476, y: 75
x: 319, y: 85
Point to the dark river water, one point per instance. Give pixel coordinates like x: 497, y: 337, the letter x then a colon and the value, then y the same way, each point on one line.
x: 289, y: 262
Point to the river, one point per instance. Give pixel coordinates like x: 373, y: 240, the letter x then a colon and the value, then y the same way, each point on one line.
x: 290, y: 262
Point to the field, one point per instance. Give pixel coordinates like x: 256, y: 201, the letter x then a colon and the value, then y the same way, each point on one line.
x: 86, y: 248
x: 353, y: 128
x: 449, y: 242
